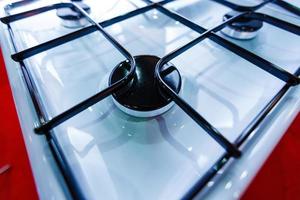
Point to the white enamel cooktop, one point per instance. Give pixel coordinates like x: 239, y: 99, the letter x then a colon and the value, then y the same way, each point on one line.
x: 116, y: 156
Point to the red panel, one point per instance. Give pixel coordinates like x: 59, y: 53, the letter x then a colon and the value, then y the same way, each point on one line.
x: 16, y: 182
x: 279, y: 178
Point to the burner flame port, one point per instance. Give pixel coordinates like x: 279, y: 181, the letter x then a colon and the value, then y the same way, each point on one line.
x: 143, y: 97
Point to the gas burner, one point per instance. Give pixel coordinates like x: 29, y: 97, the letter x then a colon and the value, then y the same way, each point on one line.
x: 71, y: 18
x: 142, y: 97
x: 243, y: 28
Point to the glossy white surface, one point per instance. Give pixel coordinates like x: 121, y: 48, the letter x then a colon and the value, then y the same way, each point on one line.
x: 116, y: 156
x: 232, y: 182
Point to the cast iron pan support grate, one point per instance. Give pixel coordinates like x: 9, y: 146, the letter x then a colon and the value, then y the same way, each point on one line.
x: 46, y: 126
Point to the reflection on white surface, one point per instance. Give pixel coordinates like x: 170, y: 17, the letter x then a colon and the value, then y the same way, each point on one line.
x: 78, y: 138
x: 112, y: 8
x: 228, y: 185
x: 116, y: 156
x: 210, y: 184
x: 244, y: 174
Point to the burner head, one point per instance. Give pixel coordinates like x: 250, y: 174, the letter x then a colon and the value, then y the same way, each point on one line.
x: 71, y: 18
x: 143, y: 97
x: 243, y: 28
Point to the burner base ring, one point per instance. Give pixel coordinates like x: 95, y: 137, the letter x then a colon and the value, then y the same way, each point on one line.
x: 143, y: 114
x: 241, y: 35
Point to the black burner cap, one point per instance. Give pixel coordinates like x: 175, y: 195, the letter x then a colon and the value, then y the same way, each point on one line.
x: 143, y: 93
x: 72, y: 14
x: 243, y: 24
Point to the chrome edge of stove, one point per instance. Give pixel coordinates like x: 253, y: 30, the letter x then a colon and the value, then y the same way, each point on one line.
x: 291, y: 117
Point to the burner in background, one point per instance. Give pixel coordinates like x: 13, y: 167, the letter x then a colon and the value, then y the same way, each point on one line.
x: 243, y: 28
x: 142, y: 97
x: 71, y: 18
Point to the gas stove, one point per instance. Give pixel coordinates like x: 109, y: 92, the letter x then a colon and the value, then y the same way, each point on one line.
x: 151, y: 100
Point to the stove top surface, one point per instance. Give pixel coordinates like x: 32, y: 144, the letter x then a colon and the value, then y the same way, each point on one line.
x: 114, y: 155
